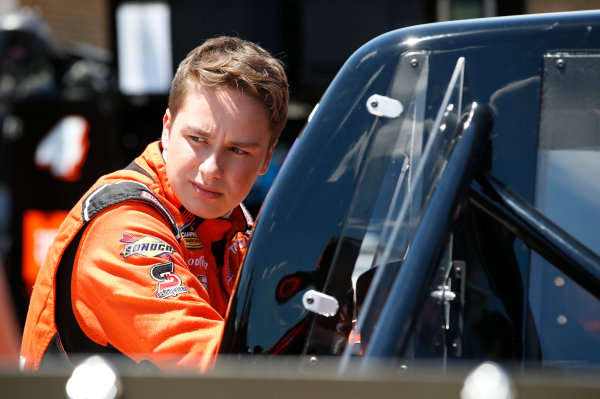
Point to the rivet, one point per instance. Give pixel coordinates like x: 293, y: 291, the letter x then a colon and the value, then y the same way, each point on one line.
x: 414, y: 63
x: 560, y: 63
x: 374, y: 103
x: 310, y: 300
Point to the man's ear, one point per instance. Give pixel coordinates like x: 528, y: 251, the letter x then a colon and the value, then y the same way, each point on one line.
x: 166, y: 130
x: 267, y: 162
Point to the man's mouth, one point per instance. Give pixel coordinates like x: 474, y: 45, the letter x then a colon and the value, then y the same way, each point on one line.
x: 206, y: 192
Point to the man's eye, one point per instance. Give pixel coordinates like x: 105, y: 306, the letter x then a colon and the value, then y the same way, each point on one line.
x: 238, y: 151
x: 198, y: 139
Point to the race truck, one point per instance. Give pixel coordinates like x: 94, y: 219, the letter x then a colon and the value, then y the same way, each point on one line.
x: 441, y: 203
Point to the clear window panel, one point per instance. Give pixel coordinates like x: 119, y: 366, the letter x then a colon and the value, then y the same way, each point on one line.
x: 567, y: 191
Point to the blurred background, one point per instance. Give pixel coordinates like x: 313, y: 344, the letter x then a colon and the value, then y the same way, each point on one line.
x: 83, y: 88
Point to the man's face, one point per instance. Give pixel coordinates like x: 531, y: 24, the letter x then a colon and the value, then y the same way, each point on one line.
x: 217, y: 144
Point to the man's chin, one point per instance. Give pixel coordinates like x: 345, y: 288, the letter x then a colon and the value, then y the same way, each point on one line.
x: 207, y: 213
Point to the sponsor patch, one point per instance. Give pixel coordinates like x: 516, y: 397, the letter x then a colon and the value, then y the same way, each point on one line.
x: 198, y: 262
x: 147, y: 246
x: 190, y: 239
x: 169, y: 283
x: 240, y: 243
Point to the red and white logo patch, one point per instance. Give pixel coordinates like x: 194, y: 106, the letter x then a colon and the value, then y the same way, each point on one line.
x: 169, y: 283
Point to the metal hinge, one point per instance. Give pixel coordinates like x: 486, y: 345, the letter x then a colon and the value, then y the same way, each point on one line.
x: 317, y: 302
x: 445, y: 295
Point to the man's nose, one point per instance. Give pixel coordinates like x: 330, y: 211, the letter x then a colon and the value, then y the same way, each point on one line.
x: 212, y: 168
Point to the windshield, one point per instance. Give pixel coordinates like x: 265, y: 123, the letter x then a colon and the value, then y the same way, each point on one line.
x: 403, y: 167
x: 404, y: 211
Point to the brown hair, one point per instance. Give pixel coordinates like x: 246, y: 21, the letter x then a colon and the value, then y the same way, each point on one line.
x: 233, y: 62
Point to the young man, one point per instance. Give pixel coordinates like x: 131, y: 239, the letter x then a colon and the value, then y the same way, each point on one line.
x: 144, y: 264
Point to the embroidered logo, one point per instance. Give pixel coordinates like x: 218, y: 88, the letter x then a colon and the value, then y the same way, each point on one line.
x: 147, y: 246
x: 190, y: 239
x: 238, y: 244
x: 169, y: 283
x: 198, y: 262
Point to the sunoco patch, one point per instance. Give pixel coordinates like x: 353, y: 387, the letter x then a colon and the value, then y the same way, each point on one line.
x: 147, y: 246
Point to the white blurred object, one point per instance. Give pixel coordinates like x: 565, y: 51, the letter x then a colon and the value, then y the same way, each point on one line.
x: 93, y: 379
x: 488, y: 381
x: 144, y: 48
x: 64, y: 149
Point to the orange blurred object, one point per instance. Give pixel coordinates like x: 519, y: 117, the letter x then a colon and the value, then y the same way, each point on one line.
x: 39, y: 229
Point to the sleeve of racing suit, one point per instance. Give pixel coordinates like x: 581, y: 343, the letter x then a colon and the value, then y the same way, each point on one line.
x: 142, y: 299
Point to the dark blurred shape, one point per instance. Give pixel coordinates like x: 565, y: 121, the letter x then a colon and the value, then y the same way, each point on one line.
x: 57, y: 136
x: 25, y: 55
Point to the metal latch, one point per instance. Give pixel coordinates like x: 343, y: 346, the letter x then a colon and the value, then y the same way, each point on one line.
x: 445, y: 295
x: 317, y: 302
x: 384, y: 106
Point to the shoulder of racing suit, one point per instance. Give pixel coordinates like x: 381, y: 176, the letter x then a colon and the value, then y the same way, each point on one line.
x: 70, y: 339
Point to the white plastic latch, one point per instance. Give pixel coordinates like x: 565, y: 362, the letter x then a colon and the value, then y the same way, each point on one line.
x: 384, y: 106
x: 317, y: 302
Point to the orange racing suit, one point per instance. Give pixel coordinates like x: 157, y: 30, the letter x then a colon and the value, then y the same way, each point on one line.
x: 133, y: 272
